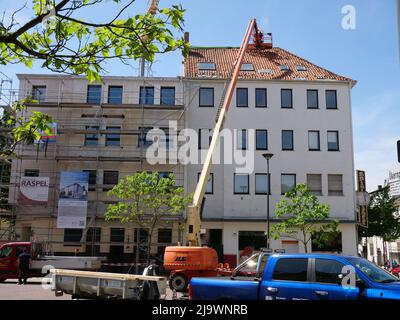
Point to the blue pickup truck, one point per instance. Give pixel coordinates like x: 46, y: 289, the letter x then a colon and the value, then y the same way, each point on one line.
x: 266, y: 276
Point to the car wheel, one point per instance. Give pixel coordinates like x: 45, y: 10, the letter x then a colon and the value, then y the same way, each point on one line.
x: 178, y: 282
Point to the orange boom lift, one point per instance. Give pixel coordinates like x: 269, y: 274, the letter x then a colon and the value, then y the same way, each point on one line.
x: 193, y: 260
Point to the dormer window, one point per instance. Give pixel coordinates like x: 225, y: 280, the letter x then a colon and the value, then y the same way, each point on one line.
x: 247, y: 67
x: 206, y: 66
x: 301, y: 68
x: 284, y: 67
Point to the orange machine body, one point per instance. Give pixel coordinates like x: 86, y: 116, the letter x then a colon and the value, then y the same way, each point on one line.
x: 190, y: 258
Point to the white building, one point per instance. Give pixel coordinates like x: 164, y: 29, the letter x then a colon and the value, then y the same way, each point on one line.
x: 289, y: 107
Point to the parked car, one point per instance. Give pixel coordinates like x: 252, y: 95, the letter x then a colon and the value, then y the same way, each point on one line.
x: 300, y: 277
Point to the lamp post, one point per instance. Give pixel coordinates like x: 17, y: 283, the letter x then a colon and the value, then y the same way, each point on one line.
x: 267, y: 157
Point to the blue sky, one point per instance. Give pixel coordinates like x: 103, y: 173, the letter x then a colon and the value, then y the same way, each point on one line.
x: 311, y: 29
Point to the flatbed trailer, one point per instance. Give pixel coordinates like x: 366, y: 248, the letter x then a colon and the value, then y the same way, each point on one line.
x: 105, y: 285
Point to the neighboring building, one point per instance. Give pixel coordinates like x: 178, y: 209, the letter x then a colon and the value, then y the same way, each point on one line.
x: 299, y: 112
x: 101, y: 128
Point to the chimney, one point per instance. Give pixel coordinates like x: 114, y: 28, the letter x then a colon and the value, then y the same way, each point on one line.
x: 186, y: 36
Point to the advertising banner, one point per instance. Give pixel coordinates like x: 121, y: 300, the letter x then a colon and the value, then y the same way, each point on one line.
x: 394, y: 182
x: 33, y: 190
x: 72, y: 200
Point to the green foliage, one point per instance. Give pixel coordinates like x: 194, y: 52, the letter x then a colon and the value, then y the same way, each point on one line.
x: 65, y: 42
x: 19, y: 127
x: 146, y: 199
x: 383, y: 220
x: 302, y: 216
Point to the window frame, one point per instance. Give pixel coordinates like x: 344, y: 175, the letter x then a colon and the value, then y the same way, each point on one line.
x: 109, y: 139
x: 319, y: 140
x: 31, y: 173
x: 247, y: 64
x: 265, y: 92
x: 266, y: 139
x: 91, y: 185
x: 35, y: 89
x: 109, y: 186
x: 114, y: 236
x: 295, y: 181
x: 337, y: 140
x: 314, y: 192
x: 143, y: 91
x: 291, y: 98
x: 163, y: 230
x: 212, y: 182
x: 234, y: 183
x: 89, y: 138
x: 314, y: 271
x: 287, y: 149
x: 213, y: 97
x: 268, y: 184
x: 308, y: 105
x: 109, y: 94
x: 72, y: 243
x: 241, y: 89
x: 201, y: 65
x: 88, y: 97
x: 335, y: 193
x: 326, y: 99
x: 242, y: 132
x: 161, y: 95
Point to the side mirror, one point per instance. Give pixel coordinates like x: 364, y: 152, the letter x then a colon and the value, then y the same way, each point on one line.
x: 360, y: 284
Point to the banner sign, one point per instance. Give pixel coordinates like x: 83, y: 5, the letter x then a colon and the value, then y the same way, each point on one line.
x: 33, y: 190
x: 362, y: 205
x: 394, y: 182
x: 72, y: 200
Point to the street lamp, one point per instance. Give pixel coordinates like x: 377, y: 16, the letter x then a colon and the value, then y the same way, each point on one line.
x: 267, y: 157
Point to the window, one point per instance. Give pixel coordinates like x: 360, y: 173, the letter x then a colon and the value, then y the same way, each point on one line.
x: 241, y: 183
x: 93, y: 235
x: 164, y: 235
x: 39, y: 93
x: 206, y: 97
x: 284, y: 67
x: 312, y: 99
x: 92, y: 179
x: 288, y: 182
x: 286, y: 98
x: 205, y: 136
x: 117, y: 235
x: 92, y: 139
x: 143, y: 235
x: 242, y: 97
x: 291, y: 269
x: 333, y: 140
x: 72, y: 237
x: 313, y: 141
x: 287, y: 140
x: 113, y: 139
x: 242, y: 139
x: 206, y: 66
x: 145, y: 139
x: 165, y: 139
x: 335, y: 185
x: 210, y: 183
x: 331, y: 99
x: 6, y: 251
x: 328, y: 271
x: 93, y: 94
x: 261, y: 139
x: 261, y: 98
x: 167, y: 96
x: 31, y: 173
x: 247, y: 67
x: 115, y: 94
x: 262, y: 183
x: 314, y: 184
x: 110, y: 178
x: 146, y: 95
x: 300, y: 67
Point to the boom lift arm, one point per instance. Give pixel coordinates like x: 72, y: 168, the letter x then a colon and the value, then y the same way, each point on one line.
x: 193, y: 222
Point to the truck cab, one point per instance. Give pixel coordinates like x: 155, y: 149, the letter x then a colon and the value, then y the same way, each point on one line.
x: 300, y: 277
x: 9, y: 253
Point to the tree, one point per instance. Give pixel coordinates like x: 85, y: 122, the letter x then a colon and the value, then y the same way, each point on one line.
x: 383, y: 220
x: 303, y: 217
x: 147, y: 200
x: 64, y: 41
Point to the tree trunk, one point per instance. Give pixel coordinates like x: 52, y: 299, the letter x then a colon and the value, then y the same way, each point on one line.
x: 137, y: 251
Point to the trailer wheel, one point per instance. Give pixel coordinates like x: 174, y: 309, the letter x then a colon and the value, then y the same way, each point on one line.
x: 178, y: 282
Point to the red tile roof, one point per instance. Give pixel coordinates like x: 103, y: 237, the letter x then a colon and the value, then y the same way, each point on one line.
x: 266, y: 63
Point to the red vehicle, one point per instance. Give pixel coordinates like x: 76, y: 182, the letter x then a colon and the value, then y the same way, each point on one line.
x: 395, y: 271
x: 40, y: 265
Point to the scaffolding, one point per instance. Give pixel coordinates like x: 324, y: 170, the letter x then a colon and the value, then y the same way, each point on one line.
x: 76, y: 120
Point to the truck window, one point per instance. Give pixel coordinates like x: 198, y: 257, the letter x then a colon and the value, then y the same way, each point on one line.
x: 291, y: 269
x: 248, y: 269
x: 328, y: 271
x: 5, y: 252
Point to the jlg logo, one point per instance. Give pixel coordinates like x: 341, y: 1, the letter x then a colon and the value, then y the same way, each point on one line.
x: 180, y: 259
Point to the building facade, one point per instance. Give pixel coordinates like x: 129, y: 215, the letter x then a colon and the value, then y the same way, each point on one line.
x: 100, y: 128
x: 283, y: 105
